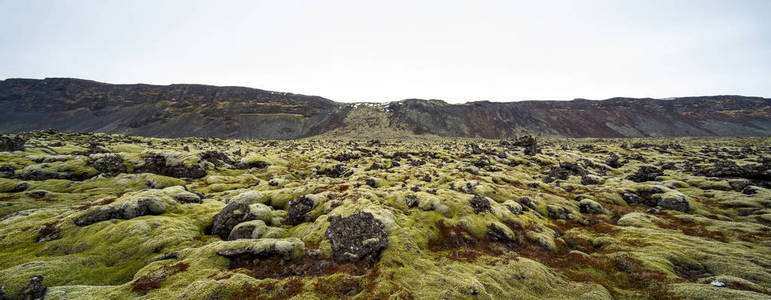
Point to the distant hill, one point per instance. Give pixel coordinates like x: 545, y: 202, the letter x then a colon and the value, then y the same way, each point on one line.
x: 181, y: 110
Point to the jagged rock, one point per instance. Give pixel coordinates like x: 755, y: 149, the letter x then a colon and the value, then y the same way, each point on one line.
x: 157, y: 163
x: 337, y: 171
x: 564, y: 171
x: 529, y: 143
x: 299, y: 208
x: 613, y: 161
x: 358, y: 237
x: 589, y: 206
x: 514, y: 207
x: 729, y: 168
x: 34, y: 290
x: 646, y: 173
x: 527, y: 202
x: 496, y: 234
x: 480, y: 204
x: 107, y: 164
x: 217, y: 158
x: 12, y: 143
x: 591, y: 179
x: 230, y: 216
x: 411, y: 200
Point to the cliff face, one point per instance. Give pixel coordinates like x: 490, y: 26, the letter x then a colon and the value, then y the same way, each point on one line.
x: 236, y: 112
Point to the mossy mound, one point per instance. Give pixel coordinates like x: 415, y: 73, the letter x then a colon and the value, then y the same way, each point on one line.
x: 113, y: 217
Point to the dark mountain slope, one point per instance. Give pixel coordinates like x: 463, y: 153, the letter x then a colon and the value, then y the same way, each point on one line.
x: 236, y: 112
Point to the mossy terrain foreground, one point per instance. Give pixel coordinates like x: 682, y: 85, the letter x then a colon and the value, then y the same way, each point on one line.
x: 114, y: 217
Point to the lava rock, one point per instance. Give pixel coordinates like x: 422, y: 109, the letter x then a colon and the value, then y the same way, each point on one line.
x: 217, y: 158
x: 557, y: 212
x: 675, y: 201
x: 480, y: 204
x: 514, y: 207
x: 35, y: 289
x: 613, y: 161
x: 12, y: 143
x: 412, y: 201
x: 156, y: 163
x: 102, y: 214
x: 564, y: 171
x: 107, y: 164
x: 589, y: 206
x: 230, y: 216
x: 37, y: 194
x: 591, y: 180
x: 498, y: 235
x: 750, y: 190
x: 338, y: 171
x: 739, y: 184
x: 358, y: 237
x: 248, y: 230
x: 646, y: 173
x: 128, y: 210
x: 527, y: 202
x: 298, y: 210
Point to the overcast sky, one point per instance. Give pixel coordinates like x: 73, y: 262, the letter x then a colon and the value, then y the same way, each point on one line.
x: 389, y: 50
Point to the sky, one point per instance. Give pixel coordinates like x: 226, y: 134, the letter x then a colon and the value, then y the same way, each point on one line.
x: 354, y: 51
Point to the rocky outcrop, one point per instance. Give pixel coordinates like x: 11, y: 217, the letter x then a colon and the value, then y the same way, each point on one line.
x: 355, y: 238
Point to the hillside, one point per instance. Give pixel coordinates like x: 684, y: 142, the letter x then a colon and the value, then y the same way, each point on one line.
x: 185, y: 110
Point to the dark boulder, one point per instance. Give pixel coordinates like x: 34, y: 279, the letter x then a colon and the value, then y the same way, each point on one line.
x: 613, y: 161
x: 739, y: 184
x: 411, y: 200
x: 156, y: 163
x: 20, y: 187
x: 564, y: 171
x: 646, y: 173
x: 480, y: 204
x: 298, y: 210
x: 34, y: 290
x: 230, y: 216
x: 338, y: 171
x: 356, y: 238
x: 110, y: 164
x: 217, y: 158
x: 12, y: 143
x: 498, y: 235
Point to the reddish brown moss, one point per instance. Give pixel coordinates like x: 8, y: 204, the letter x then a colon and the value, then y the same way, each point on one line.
x: 153, y: 279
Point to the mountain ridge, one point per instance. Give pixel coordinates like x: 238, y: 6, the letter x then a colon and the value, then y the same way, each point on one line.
x: 180, y: 110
